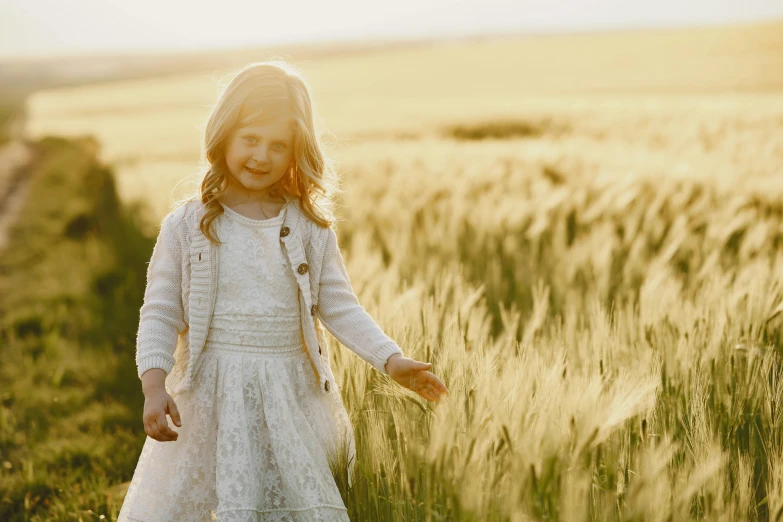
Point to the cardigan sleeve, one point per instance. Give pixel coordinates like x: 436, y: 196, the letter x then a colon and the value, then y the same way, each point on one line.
x: 340, y: 312
x: 161, y: 317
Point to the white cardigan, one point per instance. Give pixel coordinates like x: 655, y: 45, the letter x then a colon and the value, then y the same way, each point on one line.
x: 179, y: 299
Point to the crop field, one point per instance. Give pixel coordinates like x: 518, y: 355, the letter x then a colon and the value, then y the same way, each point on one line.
x: 583, y: 234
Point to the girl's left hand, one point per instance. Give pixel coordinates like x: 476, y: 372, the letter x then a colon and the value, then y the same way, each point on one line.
x: 414, y: 375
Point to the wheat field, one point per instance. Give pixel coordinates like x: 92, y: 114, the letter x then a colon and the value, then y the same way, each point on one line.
x: 582, y: 233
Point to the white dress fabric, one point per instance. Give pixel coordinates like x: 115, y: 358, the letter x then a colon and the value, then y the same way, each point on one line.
x: 257, y: 434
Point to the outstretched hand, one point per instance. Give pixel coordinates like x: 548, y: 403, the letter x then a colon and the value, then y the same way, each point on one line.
x: 415, y: 376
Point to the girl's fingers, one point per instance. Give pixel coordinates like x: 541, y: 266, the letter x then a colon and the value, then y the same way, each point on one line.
x: 440, y: 386
x: 158, y: 430
x: 436, y: 392
x: 163, y: 428
x: 433, y: 379
x: 427, y: 385
x: 431, y: 394
x: 436, y: 383
x: 154, y: 433
x: 174, y: 413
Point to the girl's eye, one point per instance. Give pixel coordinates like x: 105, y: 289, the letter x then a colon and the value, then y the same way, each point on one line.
x: 252, y: 140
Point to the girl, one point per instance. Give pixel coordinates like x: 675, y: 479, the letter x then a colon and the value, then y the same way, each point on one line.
x: 239, y: 281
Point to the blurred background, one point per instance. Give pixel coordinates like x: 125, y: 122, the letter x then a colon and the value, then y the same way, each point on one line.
x: 573, y: 209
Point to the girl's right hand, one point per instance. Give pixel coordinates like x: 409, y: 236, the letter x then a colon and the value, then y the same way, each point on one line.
x: 156, y: 405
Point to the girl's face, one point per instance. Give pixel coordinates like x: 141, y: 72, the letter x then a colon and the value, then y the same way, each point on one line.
x: 259, y: 155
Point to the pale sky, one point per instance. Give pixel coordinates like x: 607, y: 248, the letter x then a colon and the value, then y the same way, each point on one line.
x: 31, y: 28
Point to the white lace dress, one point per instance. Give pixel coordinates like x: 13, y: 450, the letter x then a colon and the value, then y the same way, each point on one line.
x: 256, y: 434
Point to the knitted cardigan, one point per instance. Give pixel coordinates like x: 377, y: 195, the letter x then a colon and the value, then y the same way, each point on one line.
x: 179, y: 298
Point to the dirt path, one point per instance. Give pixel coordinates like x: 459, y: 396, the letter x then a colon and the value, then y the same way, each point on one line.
x: 15, y: 157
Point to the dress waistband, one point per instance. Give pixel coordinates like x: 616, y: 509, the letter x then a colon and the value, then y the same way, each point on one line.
x: 266, y: 351
x: 268, y: 334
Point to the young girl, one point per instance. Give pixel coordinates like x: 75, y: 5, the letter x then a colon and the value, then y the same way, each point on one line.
x: 239, y: 281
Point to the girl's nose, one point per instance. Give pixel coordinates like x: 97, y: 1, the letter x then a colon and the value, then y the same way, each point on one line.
x: 259, y: 156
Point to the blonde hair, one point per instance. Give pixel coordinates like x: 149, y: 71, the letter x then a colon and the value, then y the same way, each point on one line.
x: 259, y: 91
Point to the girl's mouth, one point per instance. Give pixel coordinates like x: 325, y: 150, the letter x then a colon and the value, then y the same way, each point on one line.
x: 256, y: 172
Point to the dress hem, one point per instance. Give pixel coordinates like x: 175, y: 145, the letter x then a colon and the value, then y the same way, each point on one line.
x: 285, y: 510
x: 278, y: 510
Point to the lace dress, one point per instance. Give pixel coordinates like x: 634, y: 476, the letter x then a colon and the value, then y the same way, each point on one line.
x: 257, y: 435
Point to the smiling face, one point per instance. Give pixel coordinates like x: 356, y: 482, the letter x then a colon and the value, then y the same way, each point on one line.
x: 258, y: 156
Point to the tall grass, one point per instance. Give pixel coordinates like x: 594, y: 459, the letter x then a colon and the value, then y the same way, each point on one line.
x: 612, y: 349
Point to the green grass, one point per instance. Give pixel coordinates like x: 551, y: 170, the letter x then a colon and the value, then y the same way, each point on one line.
x: 71, y: 282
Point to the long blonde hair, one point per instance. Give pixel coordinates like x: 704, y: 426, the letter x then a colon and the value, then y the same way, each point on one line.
x: 261, y: 90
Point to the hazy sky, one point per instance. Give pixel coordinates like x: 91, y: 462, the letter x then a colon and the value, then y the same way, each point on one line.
x: 56, y: 27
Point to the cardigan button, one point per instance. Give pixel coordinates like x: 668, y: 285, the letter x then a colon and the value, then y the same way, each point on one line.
x: 284, y: 231
x: 312, y: 310
x: 319, y: 350
x: 326, y: 386
x: 302, y: 268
